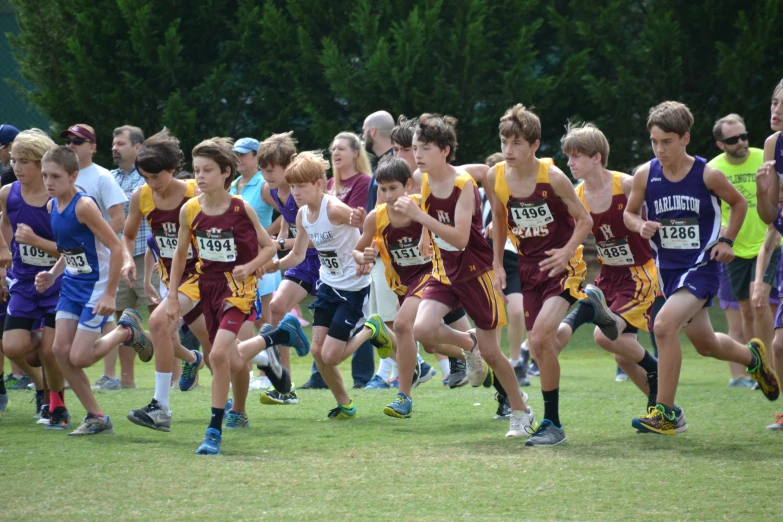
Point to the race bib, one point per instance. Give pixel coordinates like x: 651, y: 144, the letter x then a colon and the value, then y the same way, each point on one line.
x: 442, y: 244
x: 331, y: 262
x: 216, y: 246
x: 680, y: 234
x: 530, y: 213
x: 75, y: 261
x: 407, y: 255
x: 33, y: 256
x: 167, y: 245
x: 615, y: 252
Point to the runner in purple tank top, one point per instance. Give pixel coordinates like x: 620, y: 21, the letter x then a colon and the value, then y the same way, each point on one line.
x: 27, y: 227
x: 683, y: 196
x: 274, y: 155
x: 769, y: 195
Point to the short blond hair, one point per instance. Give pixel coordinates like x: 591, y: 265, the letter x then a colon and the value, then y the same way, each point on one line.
x: 493, y: 159
x: 32, y: 145
x: 587, y: 139
x: 520, y: 122
x: 307, y: 167
x: 671, y: 116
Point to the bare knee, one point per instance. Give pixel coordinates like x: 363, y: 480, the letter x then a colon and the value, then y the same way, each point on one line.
x: 403, y: 329
x: 539, y: 343
x: 430, y: 348
x: 159, y: 324
x: 330, y: 358
x: 777, y: 344
x: 80, y: 360
x: 602, y: 340
x: 277, y: 308
x: 218, y: 357
x: 705, y: 347
x: 424, y: 332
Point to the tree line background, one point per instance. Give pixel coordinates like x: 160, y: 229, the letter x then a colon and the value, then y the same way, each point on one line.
x: 249, y: 68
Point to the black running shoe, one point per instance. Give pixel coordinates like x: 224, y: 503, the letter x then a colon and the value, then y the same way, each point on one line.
x: 521, y: 372
x: 459, y: 373
x: 504, y: 407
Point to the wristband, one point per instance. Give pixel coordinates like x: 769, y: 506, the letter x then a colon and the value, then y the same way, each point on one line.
x: 726, y: 240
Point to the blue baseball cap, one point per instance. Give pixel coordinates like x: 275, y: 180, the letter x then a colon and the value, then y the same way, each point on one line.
x: 245, y: 145
x: 8, y: 134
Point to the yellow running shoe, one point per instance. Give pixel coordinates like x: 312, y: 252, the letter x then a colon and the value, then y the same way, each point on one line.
x: 763, y: 373
x: 655, y: 421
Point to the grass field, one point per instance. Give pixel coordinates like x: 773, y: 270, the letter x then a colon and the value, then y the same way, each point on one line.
x: 449, y: 462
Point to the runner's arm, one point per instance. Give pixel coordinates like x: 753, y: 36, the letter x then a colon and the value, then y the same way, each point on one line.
x: 88, y: 214
x: 365, y: 253
x: 299, y: 250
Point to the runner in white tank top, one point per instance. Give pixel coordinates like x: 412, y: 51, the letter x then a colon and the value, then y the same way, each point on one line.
x: 344, y: 287
x: 335, y: 243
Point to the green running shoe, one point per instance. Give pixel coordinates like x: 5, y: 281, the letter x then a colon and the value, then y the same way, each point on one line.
x: 381, y: 337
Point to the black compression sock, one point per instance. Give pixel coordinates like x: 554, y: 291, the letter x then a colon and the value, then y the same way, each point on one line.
x: 498, y: 386
x: 580, y: 315
x: 276, y: 336
x: 551, y: 406
x: 2, y: 384
x: 649, y: 363
x: 217, y: 419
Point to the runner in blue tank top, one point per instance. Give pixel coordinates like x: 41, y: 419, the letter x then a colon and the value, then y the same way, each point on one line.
x: 91, y: 257
x: 683, y: 204
x: 275, y: 155
x: 27, y: 227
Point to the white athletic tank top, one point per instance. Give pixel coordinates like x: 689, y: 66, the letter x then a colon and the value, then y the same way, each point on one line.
x: 335, y: 244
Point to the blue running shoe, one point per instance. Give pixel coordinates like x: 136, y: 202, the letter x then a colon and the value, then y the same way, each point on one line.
x: 189, y: 377
x: 401, y: 407
x: 211, y: 443
x: 236, y: 420
x: 376, y: 383
x: 229, y: 405
x: 297, y: 338
x: 427, y: 373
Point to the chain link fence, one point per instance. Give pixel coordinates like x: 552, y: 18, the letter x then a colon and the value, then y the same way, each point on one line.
x: 14, y: 108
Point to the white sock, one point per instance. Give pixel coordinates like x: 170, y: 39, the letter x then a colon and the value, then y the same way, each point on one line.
x: 385, y: 368
x: 524, y: 346
x: 162, y: 389
x: 444, y: 368
x: 262, y: 359
x: 515, y: 362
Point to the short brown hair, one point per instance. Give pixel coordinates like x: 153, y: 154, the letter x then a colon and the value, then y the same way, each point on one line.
x: 437, y: 129
x: 307, y: 167
x: 64, y: 157
x: 717, y: 129
x: 160, y: 152
x: 402, y: 133
x: 671, y: 116
x: 493, y: 159
x: 521, y: 122
x: 221, y: 152
x: 31, y: 145
x: 587, y: 139
x: 277, y: 149
x: 135, y: 134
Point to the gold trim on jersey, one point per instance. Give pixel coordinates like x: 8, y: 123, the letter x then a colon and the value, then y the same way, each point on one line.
x: 381, y: 222
x: 503, y: 192
x: 147, y: 203
x: 617, y: 188
x: 438, y: 269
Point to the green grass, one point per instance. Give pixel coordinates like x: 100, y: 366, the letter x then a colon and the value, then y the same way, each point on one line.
x: 450, y: 461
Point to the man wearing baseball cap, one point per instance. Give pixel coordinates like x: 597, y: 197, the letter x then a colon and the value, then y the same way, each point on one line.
x: 7, y: 135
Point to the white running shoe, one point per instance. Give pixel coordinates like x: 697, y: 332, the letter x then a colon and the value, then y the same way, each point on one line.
x: 261, y: 382
x: 475, y: 364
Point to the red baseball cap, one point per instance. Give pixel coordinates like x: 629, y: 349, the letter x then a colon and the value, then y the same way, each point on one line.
x: 80, y: 130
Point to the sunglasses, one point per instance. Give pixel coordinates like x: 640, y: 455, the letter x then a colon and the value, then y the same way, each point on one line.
x: 76, y: 141
x: 734, y: 139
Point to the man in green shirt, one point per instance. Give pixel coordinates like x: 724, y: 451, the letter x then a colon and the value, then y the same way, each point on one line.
x: 739, y: 163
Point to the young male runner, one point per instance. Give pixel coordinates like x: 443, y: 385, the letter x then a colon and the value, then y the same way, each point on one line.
x: 159, y: 201
x: 274, y: 156
x: 407, y: 272
x: 230, y: 245
x: 535, y: 204
x: 683, y: 198
x: 26, y: 225
x: 628, y: 280
x: 462, y: 264
x: 344, y: 287
x: 91, y: 256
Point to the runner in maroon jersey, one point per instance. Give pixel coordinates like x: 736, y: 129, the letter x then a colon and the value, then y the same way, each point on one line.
x: 397, y: 239
x: 534, y: 203
x: 628, y: 277
x: 462, y: 263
